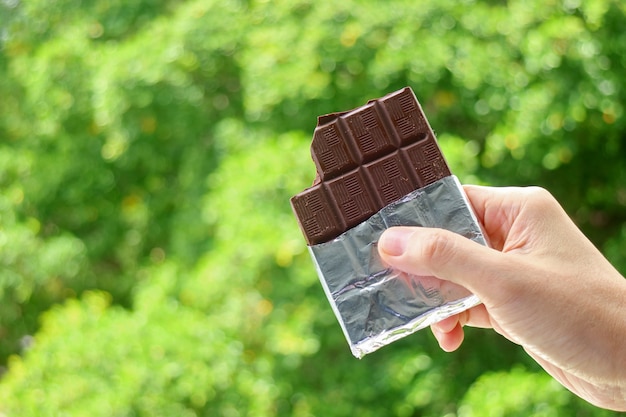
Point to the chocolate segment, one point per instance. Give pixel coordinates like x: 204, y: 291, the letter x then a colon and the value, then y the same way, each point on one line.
x: 353, y: 196
x: 316, y: 215
x: 330, y: 151
x: 365, y: 128
x: 366, y: 159
x: 391, y: 177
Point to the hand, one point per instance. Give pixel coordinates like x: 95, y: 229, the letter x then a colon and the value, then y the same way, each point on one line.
x: 543, y: 285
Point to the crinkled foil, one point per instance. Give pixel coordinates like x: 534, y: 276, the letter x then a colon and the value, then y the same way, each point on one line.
x: 376, y: 305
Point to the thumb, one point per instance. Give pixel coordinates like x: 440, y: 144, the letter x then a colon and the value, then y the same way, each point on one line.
x: 446, y: 255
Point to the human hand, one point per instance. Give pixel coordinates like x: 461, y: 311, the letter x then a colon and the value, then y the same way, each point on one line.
x: 543, y: 285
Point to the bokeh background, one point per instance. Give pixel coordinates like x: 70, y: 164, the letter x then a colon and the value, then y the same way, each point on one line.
x: 150, y: 264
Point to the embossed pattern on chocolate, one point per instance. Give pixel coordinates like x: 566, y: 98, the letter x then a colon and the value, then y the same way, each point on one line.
x: 366, y: 159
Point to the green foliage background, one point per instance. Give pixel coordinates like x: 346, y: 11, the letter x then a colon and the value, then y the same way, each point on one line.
x: 149, y: 261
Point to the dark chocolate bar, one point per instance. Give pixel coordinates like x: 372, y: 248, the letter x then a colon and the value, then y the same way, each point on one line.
x: 366, y: 159
x: 379, y: 166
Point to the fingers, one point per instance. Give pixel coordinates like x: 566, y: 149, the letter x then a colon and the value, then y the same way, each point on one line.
x: 451, y: 340
x: 449, y: 332
x: 440, y: 253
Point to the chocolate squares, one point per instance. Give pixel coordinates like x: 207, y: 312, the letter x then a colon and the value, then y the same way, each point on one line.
x: 366, y: 159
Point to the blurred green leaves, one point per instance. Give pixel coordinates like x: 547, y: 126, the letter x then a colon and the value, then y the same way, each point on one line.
x: 149, y: 260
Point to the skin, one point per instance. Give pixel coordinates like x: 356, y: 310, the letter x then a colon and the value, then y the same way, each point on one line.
x: 542, y: 283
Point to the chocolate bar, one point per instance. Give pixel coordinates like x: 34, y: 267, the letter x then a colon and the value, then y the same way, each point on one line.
x: 365, y: 160
x: 380, y: 166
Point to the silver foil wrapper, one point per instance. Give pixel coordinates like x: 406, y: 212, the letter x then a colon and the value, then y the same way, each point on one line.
x: 376, y: 305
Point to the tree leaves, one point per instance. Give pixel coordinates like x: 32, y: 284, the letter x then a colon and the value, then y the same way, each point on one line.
x: 149, y: 260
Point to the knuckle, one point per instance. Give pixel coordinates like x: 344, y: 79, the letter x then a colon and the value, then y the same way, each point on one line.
x: 541, y: 199
x: 536, y: 193
x: 437, y: 247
